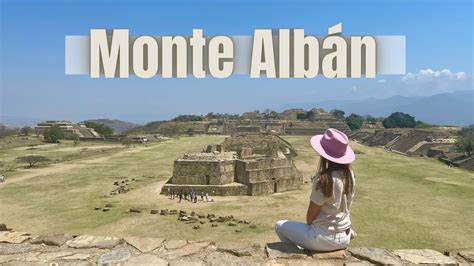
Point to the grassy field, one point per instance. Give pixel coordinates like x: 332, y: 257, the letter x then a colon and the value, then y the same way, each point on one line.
x: 13, y: 147
x: 401, y: 202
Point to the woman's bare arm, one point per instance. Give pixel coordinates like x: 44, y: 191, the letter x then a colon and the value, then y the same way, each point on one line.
x: 313, y: 211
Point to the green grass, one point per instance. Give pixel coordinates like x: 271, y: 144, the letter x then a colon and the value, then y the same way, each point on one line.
x: 401, y: 202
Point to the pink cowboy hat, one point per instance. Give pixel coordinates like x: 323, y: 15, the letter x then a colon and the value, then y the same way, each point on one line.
x: 334, y: 146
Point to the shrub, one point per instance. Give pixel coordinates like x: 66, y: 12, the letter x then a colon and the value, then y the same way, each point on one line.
x: 53, y: 134
x: 99, y: 128
x: 25, y: 131
x: 190, y: 132
x: 465, y: 145
x: 31, y: 160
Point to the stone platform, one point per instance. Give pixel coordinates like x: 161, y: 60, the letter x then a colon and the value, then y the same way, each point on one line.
x: 17, y: 248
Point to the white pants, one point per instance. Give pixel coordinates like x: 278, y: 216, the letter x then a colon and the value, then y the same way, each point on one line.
x: 310, y: 237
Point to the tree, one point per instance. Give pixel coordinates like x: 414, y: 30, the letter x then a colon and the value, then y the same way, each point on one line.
x: 187, y: 118
x: 370, y: 119
x: 301, y: 116
x: 339, y: 114
x: 76, y: 139
x: 266, y: 111
x: 6, y: 131
x: 468, y: 132
x: 465, y: 145
x: 399, y: 119
x: 466, y: 141
x: 25, y: 130
x: 190, y: 131
x: 31, y: 160
x: 99, y: 128
x: 53, y: 134
x: 127, y: 142
x: 354, y: 121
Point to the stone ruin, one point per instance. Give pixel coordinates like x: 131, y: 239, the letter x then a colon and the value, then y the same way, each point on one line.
x: 288, y: 122
x: 250, y: 164
x: 69, y: 129
x: 439, y: 143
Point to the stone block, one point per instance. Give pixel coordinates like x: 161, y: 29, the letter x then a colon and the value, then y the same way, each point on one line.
x: 374, y: 255
x: 114, y: 256
x: 144, y: 244
x: 338, y: 254
x: 52, y: 239
x: 13, y: 237
x: 146, y: 259
x: 283, y: 250
x: 467, y: 255
x: 174, y: 244
x: 424, y: 256
x: 87, y: 241
x: 239, y: 249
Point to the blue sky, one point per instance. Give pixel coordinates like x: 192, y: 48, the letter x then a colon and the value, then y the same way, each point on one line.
x: 33, y: 84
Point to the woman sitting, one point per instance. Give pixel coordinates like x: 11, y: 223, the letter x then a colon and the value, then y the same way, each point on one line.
x: 328, y: 223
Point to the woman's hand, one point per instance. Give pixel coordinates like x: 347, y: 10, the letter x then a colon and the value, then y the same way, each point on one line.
x: 313, y: 211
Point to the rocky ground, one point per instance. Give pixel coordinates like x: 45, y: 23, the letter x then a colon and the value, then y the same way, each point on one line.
x: 20, y: 248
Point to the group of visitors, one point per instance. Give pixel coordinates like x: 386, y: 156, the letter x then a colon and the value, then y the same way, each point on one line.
x: 191, y: 196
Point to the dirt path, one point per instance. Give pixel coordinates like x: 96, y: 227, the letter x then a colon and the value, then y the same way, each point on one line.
x: 24, y: 174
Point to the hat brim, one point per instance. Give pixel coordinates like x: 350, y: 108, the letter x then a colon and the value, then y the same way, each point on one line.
x: 347, y: 158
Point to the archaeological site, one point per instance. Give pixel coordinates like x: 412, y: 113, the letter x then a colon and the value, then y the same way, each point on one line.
x: 244, y: 164
x: 69, y: 129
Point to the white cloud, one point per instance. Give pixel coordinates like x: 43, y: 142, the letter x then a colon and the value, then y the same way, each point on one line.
x: 429, y: 75
x: 381, y: 81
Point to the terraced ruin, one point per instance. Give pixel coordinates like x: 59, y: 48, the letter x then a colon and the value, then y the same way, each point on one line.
x: 251, y: 165
x: 70, y: 130
x: 436, y: 143
x: 289, y: 122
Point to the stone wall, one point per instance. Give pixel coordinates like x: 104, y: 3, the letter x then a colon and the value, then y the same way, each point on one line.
x: 290, y: 127
x: 18, y: 248
x: 259, y: 175
x: 274, y: 186
x: 203, y: 172
x: 251, y: 171
x: 304, y: 131
x: 215, y: 129
x: 233, y: 189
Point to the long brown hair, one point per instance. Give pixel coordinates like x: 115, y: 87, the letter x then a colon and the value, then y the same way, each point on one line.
x: 326, y: 167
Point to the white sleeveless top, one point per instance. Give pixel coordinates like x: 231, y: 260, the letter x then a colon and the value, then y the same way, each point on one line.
x: 335, y: 211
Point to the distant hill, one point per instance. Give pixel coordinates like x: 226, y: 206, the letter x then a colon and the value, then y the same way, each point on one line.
x: 117, y: 125
x: 18, y: 121
x: 147, y: 128
x: 444, y: 109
